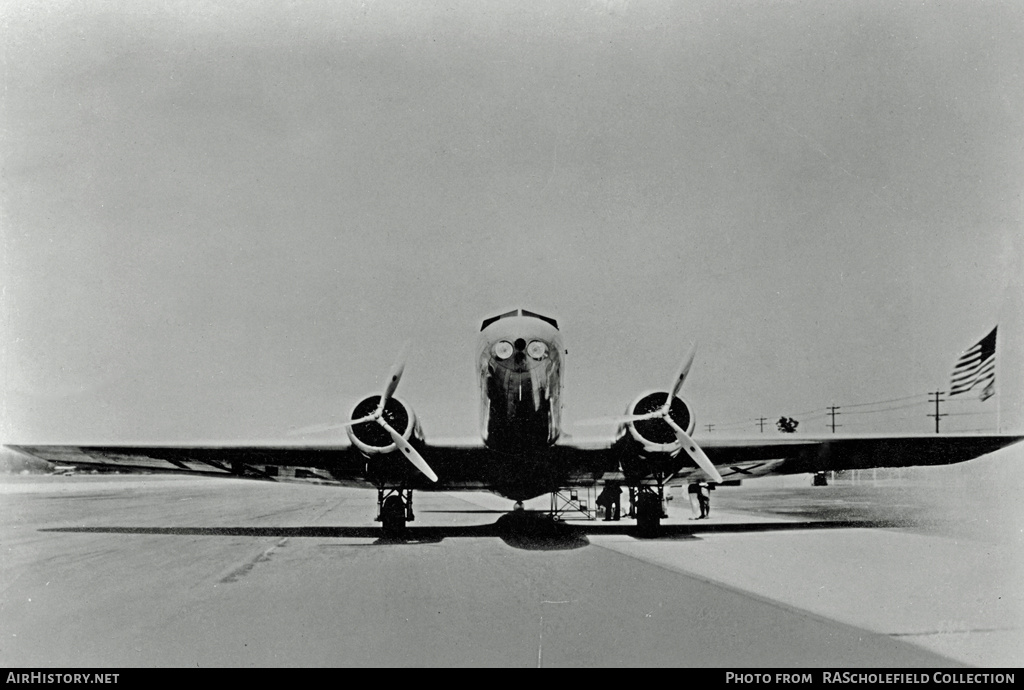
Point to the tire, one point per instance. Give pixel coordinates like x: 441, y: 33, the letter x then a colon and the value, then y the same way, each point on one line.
x: 648, y: 514
x: 392, y: 515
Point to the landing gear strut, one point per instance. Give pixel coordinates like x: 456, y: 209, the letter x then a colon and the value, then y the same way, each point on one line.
x: 650, y: 506
x: 394, y: 509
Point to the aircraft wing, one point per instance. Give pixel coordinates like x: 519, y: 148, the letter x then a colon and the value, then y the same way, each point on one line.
x: 468, y: 465
x: 761, y: 456
x: 797, y: 454
x: 460, y: 465
x: 251, y: 462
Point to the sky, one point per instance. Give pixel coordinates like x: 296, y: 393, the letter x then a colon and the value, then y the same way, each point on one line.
x: 222, y: 221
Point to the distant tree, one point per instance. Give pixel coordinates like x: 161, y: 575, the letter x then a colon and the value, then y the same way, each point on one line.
x: 787, y: 425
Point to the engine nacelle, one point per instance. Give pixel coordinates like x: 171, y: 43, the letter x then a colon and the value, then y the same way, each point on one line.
x: 655, y: 435
x: 373, y: 439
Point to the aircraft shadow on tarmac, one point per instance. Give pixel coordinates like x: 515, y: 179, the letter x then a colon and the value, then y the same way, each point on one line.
x: 524, y: 530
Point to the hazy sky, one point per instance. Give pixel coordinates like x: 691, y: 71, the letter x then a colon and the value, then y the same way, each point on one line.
x: 222, y: 220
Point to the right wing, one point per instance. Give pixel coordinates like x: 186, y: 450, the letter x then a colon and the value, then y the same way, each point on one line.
x: 336, y: 464
x: 737, y: 458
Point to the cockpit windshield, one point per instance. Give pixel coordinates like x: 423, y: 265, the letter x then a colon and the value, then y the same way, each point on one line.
x: 518, y: 312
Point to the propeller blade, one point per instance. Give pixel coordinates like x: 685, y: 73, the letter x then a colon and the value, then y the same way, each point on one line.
x: 415, y: 458
x: 394, y: 377
x: 315, y: 429
x: 677, y: 383
x: 353, y: 422
x: 321, y: 428
x: 695, y: 452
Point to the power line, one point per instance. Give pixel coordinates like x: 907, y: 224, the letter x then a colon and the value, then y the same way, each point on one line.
x: 736, y: 423
x: 964, y: 399
x: 830, y: 412
x: 887, y: 409
x: 871, y: 423
x: 882, y: 402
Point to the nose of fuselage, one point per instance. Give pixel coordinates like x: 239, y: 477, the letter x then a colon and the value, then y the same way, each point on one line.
x: 519, y: 354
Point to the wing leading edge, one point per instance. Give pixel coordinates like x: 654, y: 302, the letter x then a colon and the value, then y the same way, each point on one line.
x: 459, y: 466
x: 473, y: 467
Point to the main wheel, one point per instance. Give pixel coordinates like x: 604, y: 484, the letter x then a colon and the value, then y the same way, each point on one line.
x: 392, y: 515
x: 648, y: 514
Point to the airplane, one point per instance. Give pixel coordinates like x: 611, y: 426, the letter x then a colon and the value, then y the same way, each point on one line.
x: 522, y: 452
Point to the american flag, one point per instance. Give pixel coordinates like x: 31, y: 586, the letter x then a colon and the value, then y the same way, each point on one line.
x: 975, y: 367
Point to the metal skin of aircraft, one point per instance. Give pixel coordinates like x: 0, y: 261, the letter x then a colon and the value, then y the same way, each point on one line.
x: 522, y: 452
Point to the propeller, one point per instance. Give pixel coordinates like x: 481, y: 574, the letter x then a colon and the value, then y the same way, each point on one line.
x: 689, y: 446
x: 677, y: 383
x: 378, y: 416
x: 394, y: 377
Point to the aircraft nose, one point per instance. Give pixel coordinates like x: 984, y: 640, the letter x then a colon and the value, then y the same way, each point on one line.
x: 518, y: 353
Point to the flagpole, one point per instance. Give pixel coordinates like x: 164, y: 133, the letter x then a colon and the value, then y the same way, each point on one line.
x: 999, y: 388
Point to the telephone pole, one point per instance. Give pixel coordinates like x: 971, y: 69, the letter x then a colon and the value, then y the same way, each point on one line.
x: 937, y: 400
x: 760, y: 421
x: 710, y: 427
x: 832, y: 411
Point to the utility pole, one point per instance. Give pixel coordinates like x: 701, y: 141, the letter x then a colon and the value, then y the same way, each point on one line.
x: 938, y: 399
x: 832, y: 411
x: 710, y: 427
x: 760, y: 421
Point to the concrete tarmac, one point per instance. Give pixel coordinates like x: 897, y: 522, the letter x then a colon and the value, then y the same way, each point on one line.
x: 122, y: 571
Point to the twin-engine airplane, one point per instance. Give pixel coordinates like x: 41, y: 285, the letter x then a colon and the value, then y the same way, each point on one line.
x: 523, y: 453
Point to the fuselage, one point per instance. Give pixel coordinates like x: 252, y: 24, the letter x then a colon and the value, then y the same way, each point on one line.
x: 520, y: 358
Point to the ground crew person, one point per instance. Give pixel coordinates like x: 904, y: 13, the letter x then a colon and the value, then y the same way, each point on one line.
x: 704, y: 496
x: 610, y: 500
